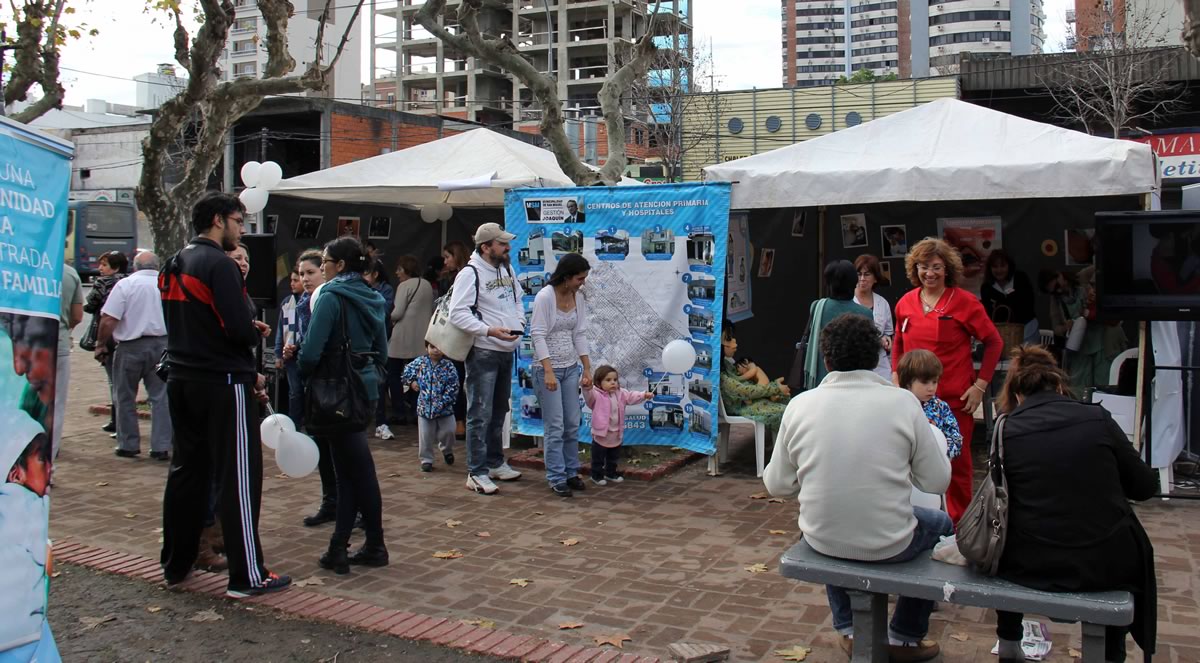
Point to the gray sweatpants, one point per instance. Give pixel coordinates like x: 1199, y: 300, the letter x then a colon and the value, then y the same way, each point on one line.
x: 431, y: 431
x: 134, y: 362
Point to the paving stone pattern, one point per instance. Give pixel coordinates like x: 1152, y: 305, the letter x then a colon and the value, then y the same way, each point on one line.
x: 660, y: 561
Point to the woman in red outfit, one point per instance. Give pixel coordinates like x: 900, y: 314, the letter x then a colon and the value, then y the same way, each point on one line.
x: 942, y: 318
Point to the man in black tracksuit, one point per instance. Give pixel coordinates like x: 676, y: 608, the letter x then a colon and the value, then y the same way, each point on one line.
x: 211, y: 386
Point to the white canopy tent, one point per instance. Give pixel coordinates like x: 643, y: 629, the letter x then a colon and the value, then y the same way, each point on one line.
x: 943, y: 150
x: 469, y: 169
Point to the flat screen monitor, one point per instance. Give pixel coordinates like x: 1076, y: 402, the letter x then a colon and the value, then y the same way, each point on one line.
x: 1148, y: 265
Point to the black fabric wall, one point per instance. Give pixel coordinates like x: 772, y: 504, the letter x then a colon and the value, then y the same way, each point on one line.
x: 781, y: 301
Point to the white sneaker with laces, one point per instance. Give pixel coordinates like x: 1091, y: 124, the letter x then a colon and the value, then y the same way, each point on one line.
x: 481, y: 484
x: 504, y: 473
x: 600, y: 482
x: 383, y: 432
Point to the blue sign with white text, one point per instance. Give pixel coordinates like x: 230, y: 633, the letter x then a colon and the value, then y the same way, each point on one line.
x: 657, y: 275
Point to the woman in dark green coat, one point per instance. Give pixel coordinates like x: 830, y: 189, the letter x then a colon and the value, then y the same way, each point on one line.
x: 346, y: 295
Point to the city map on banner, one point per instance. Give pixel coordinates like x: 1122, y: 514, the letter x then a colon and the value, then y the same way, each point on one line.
x: 658, y: 275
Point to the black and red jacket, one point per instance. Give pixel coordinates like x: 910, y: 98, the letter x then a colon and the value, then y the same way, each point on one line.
x: 210, y: 334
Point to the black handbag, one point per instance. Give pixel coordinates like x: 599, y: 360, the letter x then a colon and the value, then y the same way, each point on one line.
x: 335, y: 394
x: 88, y: 342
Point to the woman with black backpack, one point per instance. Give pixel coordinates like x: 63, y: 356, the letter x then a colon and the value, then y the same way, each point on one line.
x: 342, y: 359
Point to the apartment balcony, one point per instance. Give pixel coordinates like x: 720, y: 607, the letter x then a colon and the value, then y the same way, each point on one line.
x: 242, y: 55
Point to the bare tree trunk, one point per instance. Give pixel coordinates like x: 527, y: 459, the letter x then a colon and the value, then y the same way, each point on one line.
x: 219, y: 106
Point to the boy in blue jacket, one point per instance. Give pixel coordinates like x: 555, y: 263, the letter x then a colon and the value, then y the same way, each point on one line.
x: 436, y: 381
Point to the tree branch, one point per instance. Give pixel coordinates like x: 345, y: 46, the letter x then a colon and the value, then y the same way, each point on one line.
x: 275, y: 15
x: 610, y: 99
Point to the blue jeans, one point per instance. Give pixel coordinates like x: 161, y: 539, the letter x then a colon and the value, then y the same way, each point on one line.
x: 489, y: 384
x: 561, y: 413
x: 910, y: 621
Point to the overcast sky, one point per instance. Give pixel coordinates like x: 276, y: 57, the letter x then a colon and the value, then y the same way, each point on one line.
x: 745, y: 45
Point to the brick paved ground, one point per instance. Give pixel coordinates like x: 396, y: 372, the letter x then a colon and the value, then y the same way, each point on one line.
x: 662, y: 561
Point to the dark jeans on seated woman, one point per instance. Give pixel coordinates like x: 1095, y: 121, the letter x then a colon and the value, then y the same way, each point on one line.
x: 357, y: 487
x: 1008, y: 627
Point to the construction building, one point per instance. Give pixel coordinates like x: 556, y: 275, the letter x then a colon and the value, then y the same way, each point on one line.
x: 581, y: 42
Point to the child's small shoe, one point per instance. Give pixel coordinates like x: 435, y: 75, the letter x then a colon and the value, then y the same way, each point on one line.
x: 600, y: 482
x: 448, y: 457
x: 426, y: 467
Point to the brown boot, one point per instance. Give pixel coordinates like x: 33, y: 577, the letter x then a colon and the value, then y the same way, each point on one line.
x: 208, y: 558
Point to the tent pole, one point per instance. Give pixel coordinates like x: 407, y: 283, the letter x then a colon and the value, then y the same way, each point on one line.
x: 820, y: 251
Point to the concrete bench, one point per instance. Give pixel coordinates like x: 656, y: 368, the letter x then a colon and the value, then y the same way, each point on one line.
x: 870, y: 584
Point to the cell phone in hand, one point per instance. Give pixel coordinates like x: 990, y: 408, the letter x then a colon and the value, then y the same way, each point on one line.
x: 517, y: 332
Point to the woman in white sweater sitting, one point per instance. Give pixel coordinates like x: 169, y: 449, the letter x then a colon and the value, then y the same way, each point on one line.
x: 854, y: 476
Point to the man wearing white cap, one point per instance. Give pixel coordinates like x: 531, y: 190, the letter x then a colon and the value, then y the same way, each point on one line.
x: 486, y: 302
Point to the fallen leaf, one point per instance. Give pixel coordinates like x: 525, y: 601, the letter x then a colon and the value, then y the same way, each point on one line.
x: 308, y: 582
x: 153, y: 609
x: 757, y: 568
x: 775, y: 500
x: 760, y: 496
x: 206, y: 616
x: 131, y: 515
x: 305, y: 641
x: 961, y: 637
x: 653, y: 454
x: 56, y: 574
x: 570, y: 625
x: 570, y: 542
x: 538, y: 513
x: 393, y: 474
x: 636, y: 461
x: 616, y: 640
x: 777, y: 531
x: 101, y: 484
x: 483, y: 535
x: 158, y: 530
x: 453, y: 523
x: 1074, y: 653
x: 481, y: 623
x: 90, y: 623
x: 281, y: 476
x: 447, y: 554
x: 520, y: 582
x: 796, y: 653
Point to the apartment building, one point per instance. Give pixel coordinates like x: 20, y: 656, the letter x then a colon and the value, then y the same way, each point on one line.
x: 824, y: 40
x: 246, y: 54
x: 1104, y: 24
x: 581, y: 41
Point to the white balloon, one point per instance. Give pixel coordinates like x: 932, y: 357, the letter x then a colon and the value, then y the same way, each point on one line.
x: 274, y: 427
x: 255, y: 199
x: 250, y: 173
x: 678, y: 357
x: 297, y: 455
x: 444, y: 212
x: 269, y: 175
x: 429, y: 213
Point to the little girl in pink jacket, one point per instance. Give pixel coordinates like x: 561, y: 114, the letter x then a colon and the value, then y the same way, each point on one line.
x: 607, y: 401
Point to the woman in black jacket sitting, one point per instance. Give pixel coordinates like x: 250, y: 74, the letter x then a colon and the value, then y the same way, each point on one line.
x: 1071, y: 473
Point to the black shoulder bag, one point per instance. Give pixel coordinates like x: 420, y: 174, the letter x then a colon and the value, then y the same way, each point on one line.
x: 335, y: 395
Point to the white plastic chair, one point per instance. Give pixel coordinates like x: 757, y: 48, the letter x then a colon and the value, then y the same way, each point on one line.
x: 724, y: 422
x: 1114, y: 373
x: 1045, y: 337
x: 1122, y: 409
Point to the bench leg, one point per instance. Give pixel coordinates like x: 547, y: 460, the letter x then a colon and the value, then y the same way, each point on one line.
x: 870, y: 627
x: 1093, y: 643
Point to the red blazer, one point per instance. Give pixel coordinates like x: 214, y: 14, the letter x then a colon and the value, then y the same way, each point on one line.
x: 946, y: 331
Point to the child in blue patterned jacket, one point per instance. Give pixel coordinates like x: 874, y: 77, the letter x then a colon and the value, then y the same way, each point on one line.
x: 436, y: 381
x: 919, y: 372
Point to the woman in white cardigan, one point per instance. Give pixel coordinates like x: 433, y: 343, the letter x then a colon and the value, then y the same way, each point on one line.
x: 558, y: 330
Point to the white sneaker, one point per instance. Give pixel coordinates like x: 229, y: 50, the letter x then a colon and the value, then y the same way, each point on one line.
x: 383, y: 432
x: 481, y: 484
x: 504, y: 473
x: 616, y: 479
x: 600, y: 482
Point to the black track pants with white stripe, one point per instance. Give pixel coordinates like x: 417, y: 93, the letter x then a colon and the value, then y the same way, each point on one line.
x: 216, y: 435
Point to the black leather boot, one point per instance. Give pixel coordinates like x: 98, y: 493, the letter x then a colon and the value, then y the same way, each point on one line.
x: 326, y: 514
x: 371, y: 554
x: 335, y: 558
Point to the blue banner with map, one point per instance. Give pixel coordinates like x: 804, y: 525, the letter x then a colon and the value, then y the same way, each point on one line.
x: 35, y: 173
x: 658, y: 274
